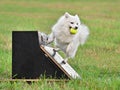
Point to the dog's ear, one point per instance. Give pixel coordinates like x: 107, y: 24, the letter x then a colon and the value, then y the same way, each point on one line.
x: 66, y: 15
x: 76, y: 16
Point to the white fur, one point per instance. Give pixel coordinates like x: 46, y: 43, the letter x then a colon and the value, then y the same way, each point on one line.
x: 66, y: 41
x: 43, y: 38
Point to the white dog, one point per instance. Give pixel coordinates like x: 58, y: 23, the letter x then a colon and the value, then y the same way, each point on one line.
x: 66, y: 41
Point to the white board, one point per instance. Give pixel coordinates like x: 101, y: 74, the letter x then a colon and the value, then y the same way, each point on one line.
x: 58, y: 60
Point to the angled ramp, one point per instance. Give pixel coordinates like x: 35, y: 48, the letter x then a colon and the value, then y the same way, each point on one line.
x: 57, y: 59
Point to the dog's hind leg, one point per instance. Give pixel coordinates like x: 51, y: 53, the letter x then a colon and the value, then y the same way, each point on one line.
x: 51, y: 38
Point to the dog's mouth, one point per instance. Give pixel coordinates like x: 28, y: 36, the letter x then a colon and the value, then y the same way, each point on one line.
x: 75, y: 28
x: 73, y: 31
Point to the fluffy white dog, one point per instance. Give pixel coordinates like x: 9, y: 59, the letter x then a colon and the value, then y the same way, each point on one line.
x: 65, y: 40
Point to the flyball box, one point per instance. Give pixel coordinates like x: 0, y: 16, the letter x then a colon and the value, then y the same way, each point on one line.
x: 33, y: 61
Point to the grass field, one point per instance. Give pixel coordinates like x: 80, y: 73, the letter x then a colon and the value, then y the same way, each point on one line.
x: 98, y: 61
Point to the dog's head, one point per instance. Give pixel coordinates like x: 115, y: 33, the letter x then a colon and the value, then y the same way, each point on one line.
x: 72, y: 21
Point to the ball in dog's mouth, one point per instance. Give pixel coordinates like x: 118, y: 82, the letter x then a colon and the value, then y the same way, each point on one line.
x: 73, y: 31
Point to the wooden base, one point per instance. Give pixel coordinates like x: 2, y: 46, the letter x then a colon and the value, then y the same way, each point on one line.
x: 34, y: 80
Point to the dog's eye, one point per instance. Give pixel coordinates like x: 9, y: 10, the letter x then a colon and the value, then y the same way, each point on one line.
x: 72, y: 22
x: 77, y: 23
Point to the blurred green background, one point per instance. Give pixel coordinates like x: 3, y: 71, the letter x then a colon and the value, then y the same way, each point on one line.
x: 98, y: 61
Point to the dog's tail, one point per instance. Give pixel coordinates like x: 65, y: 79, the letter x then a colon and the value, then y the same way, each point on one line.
x: 83, y: 34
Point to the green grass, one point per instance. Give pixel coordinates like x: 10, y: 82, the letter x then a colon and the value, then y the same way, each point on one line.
x: 98, y: 61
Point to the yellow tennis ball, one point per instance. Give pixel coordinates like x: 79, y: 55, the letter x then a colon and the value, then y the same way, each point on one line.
x: 73, y: 31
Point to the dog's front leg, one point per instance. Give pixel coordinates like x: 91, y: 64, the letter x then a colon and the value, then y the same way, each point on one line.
x: 71, y: 49
x: 70, y: 52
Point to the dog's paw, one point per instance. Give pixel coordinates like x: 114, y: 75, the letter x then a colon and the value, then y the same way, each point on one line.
x: 56, y: 49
